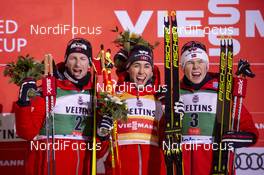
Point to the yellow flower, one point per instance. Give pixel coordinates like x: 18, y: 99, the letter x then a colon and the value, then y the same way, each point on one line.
x: 134, y: 35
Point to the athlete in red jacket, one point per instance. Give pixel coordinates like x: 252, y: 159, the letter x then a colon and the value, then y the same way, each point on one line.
x: 72, y: 116
x: 140, y: 138
x: 199, y: 94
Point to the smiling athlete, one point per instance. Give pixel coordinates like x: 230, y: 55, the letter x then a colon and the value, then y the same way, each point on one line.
x: 199, y: 93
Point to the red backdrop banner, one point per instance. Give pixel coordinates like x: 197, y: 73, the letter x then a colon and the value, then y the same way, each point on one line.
x: 38, y: 27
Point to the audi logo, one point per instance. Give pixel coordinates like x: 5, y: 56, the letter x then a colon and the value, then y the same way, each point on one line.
x: 252, y: 161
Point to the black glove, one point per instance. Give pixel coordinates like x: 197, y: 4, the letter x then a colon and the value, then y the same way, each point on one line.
x: 239, y: 139
x: 109, y: 65
x: 105, y: 126
x: 244, y: 69
x: 27, y: 86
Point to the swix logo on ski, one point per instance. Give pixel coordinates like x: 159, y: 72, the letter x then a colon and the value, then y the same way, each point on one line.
x: 240, y: 86
x: 135, y: 125
x: 221, y: 14
x: 49, y: 88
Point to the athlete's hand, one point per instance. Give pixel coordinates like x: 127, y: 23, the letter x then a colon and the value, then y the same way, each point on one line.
x: 27, y: 86
x: 238, y: 139
x: 105, y: 126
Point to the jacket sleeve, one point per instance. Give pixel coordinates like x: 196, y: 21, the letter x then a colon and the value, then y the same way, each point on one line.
x: 246, y: 122
x: 30, y: 119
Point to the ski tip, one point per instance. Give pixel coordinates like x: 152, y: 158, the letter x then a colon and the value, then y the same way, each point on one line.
x: 166, y: 20
x: 222, y: 41
x: 227, y: 39
x: 230, y: 41
x: 173, y: 13
x: 173, y: 18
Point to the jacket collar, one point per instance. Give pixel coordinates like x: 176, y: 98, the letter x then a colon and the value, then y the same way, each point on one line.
x: 209, y: 83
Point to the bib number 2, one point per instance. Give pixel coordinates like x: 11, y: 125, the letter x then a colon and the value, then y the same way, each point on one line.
x: 79, y: 121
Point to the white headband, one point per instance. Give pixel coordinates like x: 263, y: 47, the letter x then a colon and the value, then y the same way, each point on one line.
x: 192, y: 54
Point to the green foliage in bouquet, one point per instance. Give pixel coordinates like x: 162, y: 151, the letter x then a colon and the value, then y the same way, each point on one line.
x: 25, y: 67
x: 112, y: 106
x: 127, y: 40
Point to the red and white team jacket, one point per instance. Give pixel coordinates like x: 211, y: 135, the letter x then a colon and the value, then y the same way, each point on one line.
x: 73, y: 131
x: 198, y: 125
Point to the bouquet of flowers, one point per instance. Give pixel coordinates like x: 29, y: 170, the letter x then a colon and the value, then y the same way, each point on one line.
x: 112, y: 106
x: 25, y: 67
x: 126, y: 41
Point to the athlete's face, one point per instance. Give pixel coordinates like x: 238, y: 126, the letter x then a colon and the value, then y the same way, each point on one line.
x: 195, y: 70
x: 140, y: 72
x: 78, y: 65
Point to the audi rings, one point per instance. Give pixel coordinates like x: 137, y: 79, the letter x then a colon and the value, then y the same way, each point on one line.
x: 252, y: 161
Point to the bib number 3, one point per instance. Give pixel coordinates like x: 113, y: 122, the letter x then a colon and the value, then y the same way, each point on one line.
x: 194, y: 120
